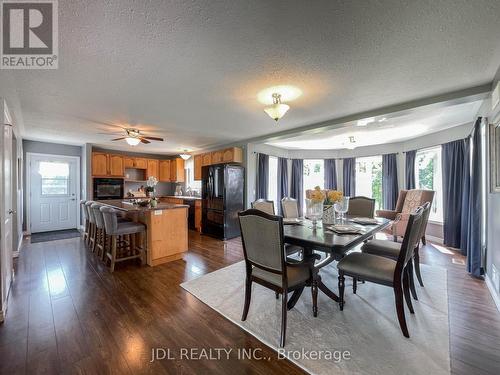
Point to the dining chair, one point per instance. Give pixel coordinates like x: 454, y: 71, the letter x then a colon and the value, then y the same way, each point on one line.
x: 267, y: 265
x: 289, y: 208
x: 385, y: 271
x: 391, y: 249
x: 361, y: 207
x: 264, y: 205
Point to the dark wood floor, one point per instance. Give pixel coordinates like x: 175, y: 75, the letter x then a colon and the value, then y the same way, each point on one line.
x: 68, y: 314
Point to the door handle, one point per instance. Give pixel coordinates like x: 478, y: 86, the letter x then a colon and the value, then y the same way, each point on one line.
x: 74, y: 199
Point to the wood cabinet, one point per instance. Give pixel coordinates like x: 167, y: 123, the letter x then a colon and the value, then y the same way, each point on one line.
x: 140, y: 163
x: 172, y: 200
x: 232, y: 155
x: 104, y: 165
x: 128, y: 162
x: 207, y: 159
x: 216, y: 157
x: 152, y: 169
x: 177, y: 173
x: 198, y: 162
x: 197, y: 215
x: 164, y: 167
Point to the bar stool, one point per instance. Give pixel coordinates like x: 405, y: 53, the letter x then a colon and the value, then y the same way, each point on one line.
x: 100, y: 232
x: 92, y: 227
x: 85, y: 220
x: 120, y: 249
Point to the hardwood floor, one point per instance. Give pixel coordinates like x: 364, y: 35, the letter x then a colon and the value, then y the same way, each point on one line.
x: 68, y: 314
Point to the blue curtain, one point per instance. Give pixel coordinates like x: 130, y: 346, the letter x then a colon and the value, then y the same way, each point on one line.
x: 262, y: 176
x: 454, y: 162
x: 473, y: 202
x: 390, y: 189
x: 349, y: 175
x: 296, y: 188
x: 410, y: 169
x: 282, y: 181
x: 330, y: 174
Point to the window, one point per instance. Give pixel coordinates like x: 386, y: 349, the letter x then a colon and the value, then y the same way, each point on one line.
x: 369, y: 178
x: 428, y: 176
x: 55, y: 178
x: 194, y: 185
x: 314, y: 175
x: 272, y: 180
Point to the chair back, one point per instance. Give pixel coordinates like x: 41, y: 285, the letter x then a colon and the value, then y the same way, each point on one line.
x: 110, y: 219
x: 415, y: 198
x: 90, y: 212
x: 99, y: 220
x: 425, y: 218
x: 290, y: 208
x: 262, y: 237
x: 411, y: 238
x: 264, y: 205
x: 361, y: 207
x: 84, y: 209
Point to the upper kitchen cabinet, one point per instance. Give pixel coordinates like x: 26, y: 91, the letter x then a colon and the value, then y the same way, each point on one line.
x: 105, y: 165
x: 128, y: 162
x: 206, y: 159
x: 140, y: 163
x: 198, y: 162
x: 217, y: 157
x: 164, y: 166
x: 152, y: 168
x: 177, y: 173
x: 116, y: 166
x: 232, y: 155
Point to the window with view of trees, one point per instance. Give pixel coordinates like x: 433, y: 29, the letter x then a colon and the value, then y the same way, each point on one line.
x: 369, y: 178
x: 428, y: 176
x: 272, y: 180
x: 313, y: 175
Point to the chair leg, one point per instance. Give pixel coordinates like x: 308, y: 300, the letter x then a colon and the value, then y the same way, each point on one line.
x: 283, y: 317
x: 411, y: 280
x: 314, y: 292
x: 248, y: 296
x: 406, y: 290
x: 395, y: 238
x: 398, y: 296
x: 341, y: 290
x: 416, y: 261
x: 113, y: 253
x: 354, y: 285
x: 424, y: 241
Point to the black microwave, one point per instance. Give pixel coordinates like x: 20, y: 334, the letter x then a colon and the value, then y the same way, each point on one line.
x: 108, y: 188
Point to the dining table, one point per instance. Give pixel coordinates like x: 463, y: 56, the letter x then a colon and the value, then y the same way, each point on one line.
x: 334, y: 245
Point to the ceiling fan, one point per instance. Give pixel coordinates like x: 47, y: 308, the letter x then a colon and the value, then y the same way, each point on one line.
x: 134, y: 137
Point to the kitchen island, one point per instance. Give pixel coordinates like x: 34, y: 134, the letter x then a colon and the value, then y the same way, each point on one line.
x: 167, y: 228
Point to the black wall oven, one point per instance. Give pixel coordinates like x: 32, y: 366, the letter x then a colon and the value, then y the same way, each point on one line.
x: 108, y: 188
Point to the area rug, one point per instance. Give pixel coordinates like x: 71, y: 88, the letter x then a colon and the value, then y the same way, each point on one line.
x: 54, y: 235
x: 367, y: 329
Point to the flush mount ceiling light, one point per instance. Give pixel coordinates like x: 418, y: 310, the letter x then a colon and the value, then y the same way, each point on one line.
x: 277, y: 110
x: 185, y: 155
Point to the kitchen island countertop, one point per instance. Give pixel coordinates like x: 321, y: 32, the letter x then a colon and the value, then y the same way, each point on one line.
x: 129, y: 207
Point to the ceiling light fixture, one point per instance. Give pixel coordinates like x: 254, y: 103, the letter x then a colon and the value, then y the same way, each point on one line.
x: 277, y: 110
x: 185, y: 155
x: 132, y: 141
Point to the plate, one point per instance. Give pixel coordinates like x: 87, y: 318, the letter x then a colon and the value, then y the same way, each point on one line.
x: 346, y: 229
x: 364, y: 220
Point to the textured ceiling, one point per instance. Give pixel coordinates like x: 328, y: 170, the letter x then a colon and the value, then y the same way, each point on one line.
x: 191, y: 70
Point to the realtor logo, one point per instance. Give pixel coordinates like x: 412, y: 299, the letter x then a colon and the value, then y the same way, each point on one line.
x: 29, y: 34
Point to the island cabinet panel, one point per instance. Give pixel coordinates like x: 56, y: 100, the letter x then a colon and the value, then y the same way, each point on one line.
x: 164, y: 166
x: 116, y: 167
x: 99, y: 164
x: 128, y: 162
x: 198, y: 162
x: 172, y: 200
x: 152, y: 168
x: 177, y: 173
x: 217, y: 157
x: 197, y: 215
x: 206, y: 159
x: 167, y: 235
x: 140, y: 163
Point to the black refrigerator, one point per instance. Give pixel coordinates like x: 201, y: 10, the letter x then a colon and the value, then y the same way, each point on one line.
x: 222, y: 198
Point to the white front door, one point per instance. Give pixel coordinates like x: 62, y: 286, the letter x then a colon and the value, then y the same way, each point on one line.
x: 53, y: 189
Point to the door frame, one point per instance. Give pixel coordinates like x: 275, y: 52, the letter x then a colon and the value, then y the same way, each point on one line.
x: 29, y: 156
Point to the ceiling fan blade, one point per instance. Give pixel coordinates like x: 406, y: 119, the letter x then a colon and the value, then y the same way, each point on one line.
x: 154, y: 138
x: 145, y: 141
x: 118, y: 139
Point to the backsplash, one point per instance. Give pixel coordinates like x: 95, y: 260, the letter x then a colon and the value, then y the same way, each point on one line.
x: 162, y: 188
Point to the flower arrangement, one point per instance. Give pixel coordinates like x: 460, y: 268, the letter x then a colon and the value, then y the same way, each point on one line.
x: 329, y: 198
x: 333, y: 196
x: 317, y: 195
x: 150, y: 184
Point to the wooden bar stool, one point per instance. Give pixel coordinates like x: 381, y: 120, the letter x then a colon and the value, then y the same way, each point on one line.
x: 92, y: 227
x: 124, y: 243
x: 86, y: 222
x: 100, y: 235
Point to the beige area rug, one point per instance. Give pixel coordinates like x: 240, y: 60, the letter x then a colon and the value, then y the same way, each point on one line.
x: 367, y: 328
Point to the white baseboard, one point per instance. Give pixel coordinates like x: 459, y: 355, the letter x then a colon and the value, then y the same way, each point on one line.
x: 492, y: 290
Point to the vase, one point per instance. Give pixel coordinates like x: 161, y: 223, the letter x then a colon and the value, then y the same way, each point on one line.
x: 329, y: 214
x: 314, y: 212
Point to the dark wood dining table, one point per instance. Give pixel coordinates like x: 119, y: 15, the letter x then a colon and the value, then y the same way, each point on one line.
x: 334, y: 245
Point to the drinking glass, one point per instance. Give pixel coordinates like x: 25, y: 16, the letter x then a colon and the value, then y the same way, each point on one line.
x: 314, y: 211
x: 341, y: 207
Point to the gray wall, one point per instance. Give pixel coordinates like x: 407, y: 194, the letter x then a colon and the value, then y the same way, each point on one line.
x: 53, y: 149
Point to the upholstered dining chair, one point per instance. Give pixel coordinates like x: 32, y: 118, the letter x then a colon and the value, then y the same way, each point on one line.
x: 267, y: 265
x: 361, y: 207
x: 264, y: 205
x: 391, y: 250
x: 408, y: 201
x: 385, y: 271
x: 290, y: 208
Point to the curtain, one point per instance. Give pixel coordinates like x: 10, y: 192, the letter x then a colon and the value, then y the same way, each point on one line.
x: 330, y: 174
x: 262, y: 176
x: 282, y: 181
x: 349, y: 173
x: 473, y: 201
x: 296, y: 188
x: 454, y: 168
x: 390, y: 189
x: 410, y: 169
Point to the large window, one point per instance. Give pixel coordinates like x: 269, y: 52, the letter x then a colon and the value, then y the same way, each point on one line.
x: 314, y: 175
x: 428, y: 176
x: 369, y: 178
x: 272, y: 189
